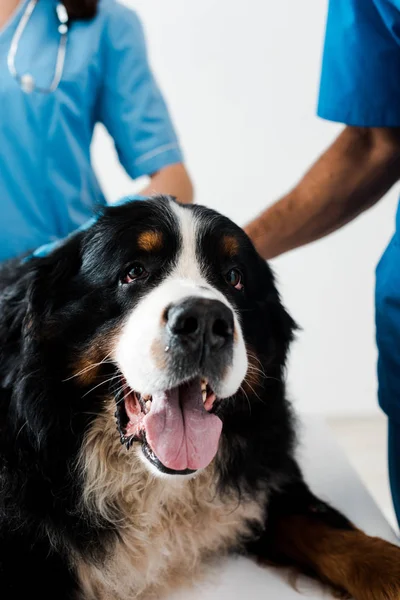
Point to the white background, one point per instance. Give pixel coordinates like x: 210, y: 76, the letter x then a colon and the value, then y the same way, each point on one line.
x: 241, y: 79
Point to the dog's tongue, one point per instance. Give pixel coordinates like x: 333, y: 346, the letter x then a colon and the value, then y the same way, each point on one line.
x: 181, y: 433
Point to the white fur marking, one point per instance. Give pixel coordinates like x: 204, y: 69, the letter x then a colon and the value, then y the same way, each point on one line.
x: 167, y: 528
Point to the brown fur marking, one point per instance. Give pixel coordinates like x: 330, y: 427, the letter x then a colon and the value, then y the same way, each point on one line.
x: 150, y: 241
x: 350, y: 561
x: 158, y: 354
x: 87, y: 366
x: 230, y: 245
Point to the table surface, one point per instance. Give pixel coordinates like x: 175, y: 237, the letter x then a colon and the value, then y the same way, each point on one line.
x: 332, y: 478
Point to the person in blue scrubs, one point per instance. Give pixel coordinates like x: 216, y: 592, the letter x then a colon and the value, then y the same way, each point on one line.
x: 48, y: 187
x: 360, y: 87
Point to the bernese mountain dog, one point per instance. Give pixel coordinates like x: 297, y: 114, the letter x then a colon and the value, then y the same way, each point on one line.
x: 144, y: 427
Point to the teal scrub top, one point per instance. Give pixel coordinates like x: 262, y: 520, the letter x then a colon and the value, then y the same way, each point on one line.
x: 360, y: 86
x: 47, y: 184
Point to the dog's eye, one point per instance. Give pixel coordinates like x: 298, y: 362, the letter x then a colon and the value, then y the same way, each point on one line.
x: 234, y: 278
x: 135, y: 272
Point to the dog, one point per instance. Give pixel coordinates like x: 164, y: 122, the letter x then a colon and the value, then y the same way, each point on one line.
x: 145, y: 430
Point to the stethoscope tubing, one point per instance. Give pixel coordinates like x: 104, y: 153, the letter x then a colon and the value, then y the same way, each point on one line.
x: 26, y: 82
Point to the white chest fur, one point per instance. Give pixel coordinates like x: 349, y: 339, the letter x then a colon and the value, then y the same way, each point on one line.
x: 168, y: 530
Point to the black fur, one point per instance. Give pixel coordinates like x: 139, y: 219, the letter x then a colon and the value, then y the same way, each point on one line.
x: 52, y: 308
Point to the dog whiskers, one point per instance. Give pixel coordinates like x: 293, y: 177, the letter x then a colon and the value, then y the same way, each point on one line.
x: 253, y: 369
x: 254, y: 392
x: 90, y: 367
x: 255, y: 357
x: 121, y: 400
x: 246, y: 396
x: 100, y: 384
x: 20, y: 430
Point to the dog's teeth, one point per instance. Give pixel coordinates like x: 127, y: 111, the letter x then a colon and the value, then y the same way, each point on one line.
x: 148, y: 405
x: 146, y: 397
x: 204, y: 383
x: 204, y: 395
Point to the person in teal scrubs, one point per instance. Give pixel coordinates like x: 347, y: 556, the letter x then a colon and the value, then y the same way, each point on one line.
x: 360, y: 87
x: 48, y: 187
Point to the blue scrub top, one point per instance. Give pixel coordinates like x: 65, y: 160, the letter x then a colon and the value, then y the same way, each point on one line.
x: 360, y: 86
x: 47, y: 184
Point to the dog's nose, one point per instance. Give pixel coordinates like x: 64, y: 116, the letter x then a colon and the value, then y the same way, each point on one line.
x: 201, y: 322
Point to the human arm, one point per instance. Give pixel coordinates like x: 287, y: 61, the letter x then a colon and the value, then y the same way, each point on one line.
x: 173, y: 180
x: 360, y: 86
x: 351, y: 176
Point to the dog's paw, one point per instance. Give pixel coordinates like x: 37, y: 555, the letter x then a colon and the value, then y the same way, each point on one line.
x: 376, y: 572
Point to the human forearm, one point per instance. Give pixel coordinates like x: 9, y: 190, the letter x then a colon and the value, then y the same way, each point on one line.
x: 173, y: 180
x: 351, y: 176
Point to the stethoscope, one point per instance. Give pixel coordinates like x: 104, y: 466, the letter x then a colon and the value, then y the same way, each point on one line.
x: 27, y: 81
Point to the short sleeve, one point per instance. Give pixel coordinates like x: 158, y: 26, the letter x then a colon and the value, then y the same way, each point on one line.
x: 131, y: 105
x: 360, y: 79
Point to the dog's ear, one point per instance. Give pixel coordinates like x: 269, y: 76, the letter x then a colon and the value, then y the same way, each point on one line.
x: 51, y: 277
x: 279, y: 325
x: 48, y: 284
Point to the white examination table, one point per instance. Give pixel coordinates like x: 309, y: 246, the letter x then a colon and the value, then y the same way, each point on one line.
x: 332, y: 478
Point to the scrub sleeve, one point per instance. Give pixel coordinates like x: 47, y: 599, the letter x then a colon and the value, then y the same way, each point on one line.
x: 131, y: 105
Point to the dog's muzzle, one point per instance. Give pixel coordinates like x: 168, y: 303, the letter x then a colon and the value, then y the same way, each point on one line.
x: 177, y: 421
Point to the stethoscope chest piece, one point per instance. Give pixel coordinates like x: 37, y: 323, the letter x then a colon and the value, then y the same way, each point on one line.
x: 63, y: 18
x: 27, y: 83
